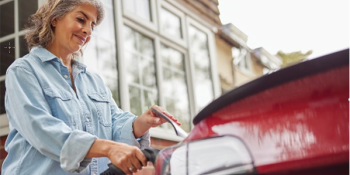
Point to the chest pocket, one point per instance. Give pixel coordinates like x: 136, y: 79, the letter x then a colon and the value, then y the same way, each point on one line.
x: 103, y: 110
x: 60, y: 104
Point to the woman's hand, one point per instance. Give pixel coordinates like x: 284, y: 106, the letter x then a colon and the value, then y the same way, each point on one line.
x: 128, y: 158
x: 150, y: 119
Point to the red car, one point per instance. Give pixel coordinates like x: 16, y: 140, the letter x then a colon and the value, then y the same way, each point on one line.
x: 292, y: 121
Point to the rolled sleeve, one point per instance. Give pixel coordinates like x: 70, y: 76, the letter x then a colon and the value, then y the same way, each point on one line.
x: 126, y: 134
x: 74, y: 151
x: 122, y: 128
x: 145, y: 140
x: 122, y: 123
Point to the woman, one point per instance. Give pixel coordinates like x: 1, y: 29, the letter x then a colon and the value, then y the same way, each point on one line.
x: 63, y: 118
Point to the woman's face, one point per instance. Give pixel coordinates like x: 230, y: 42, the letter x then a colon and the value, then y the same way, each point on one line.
x: 73, y: 30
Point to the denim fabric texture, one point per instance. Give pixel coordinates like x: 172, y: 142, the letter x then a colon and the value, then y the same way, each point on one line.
x: 52, y: 127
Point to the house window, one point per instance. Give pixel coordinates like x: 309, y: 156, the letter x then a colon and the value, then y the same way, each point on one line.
x: 242, y: 59
x: 7, y: 18
x: 100, y: 53
x: 23, y: 47
x: 6, y: 59
x: 204, y: 92
x: 175, y: 88
x: 139, y: 7
x: 141, y: 75
x: 25, y: 9
x: 170, y: 23
x: 12, y: 41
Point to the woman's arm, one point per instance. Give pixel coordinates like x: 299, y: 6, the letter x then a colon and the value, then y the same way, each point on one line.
x: 121, y: 155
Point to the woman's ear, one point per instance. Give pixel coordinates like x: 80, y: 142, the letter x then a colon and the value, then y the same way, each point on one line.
x: 53, y: 22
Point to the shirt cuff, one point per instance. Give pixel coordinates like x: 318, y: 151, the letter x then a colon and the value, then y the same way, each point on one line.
x: 74, y: 150
x: 145, y: 140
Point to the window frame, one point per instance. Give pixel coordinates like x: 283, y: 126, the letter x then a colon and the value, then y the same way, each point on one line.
x: 151, y: 25
x: 188, y: 80
x: 212, y: 60
x: 4, y: 123
x: 247, y: 59
x: 166, y: 6
x: 158, y: 39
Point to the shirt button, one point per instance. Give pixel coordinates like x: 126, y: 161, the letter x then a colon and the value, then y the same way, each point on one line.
x: 65, y: 76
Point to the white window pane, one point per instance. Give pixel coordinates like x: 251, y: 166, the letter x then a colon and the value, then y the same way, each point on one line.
x: 170, y: 23
x: 133, y: 69
x: 106, y: 30
x: 141, y: 75
x: 100, y: 53
x: 150, y: 99
x: 148, y: 73
x: 135, y: 100
x: 139, y: 7
x: 174, y: 85
x: 204, y: 93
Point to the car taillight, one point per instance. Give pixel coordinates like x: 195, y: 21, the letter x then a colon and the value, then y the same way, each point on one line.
x: 216, y: 155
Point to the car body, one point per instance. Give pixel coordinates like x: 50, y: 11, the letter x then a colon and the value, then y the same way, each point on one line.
x: 292, y: 121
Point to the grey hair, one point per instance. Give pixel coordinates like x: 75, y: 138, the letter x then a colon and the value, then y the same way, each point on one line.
x: 41, y: 31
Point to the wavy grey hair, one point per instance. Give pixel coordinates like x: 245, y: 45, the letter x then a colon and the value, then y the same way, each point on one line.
x: 41, y: 32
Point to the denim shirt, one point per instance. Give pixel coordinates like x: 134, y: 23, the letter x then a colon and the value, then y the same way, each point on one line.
x: 52, y: 127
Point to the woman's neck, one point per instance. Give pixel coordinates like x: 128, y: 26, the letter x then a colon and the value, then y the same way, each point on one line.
x: 65, y: 57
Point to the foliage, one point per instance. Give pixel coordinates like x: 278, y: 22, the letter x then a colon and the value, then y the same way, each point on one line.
x: 293, y: 57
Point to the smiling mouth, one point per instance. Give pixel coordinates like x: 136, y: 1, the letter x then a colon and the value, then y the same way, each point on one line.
x: 82, y: 40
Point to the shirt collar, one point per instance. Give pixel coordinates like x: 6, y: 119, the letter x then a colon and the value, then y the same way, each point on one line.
x: 79, y: 65
x: 46, y: 55
x: 42, y: 53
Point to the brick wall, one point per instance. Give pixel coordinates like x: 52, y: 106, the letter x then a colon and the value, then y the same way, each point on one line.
x: 3, y: 153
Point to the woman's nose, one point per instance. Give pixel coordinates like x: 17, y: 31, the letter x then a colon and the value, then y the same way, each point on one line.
x: 87, y: 30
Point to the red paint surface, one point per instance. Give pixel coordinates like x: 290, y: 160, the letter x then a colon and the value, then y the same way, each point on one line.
x: 301, y: 124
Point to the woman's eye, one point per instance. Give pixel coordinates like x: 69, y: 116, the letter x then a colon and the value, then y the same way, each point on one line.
x: 81, y: 20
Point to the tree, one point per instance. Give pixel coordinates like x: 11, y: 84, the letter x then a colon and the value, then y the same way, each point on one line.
x: 293, y: 57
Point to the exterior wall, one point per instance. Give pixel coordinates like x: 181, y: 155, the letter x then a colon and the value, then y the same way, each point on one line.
x: 257, y: 68
x: 224, y: 63
x: 244, y: 76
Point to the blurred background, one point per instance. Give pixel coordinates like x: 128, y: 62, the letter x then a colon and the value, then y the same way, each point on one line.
x: 184, y: 54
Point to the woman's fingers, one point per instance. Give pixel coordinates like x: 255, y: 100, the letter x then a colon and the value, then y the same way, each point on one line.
x: 171, y: 117
x: 140, y: 160
x: 160, y: 109
x: 129, y: 159
x: 137, y: 162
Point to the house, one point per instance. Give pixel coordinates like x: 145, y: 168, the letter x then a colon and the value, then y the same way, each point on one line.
x: 175, y: 54
x: 248, y: 63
